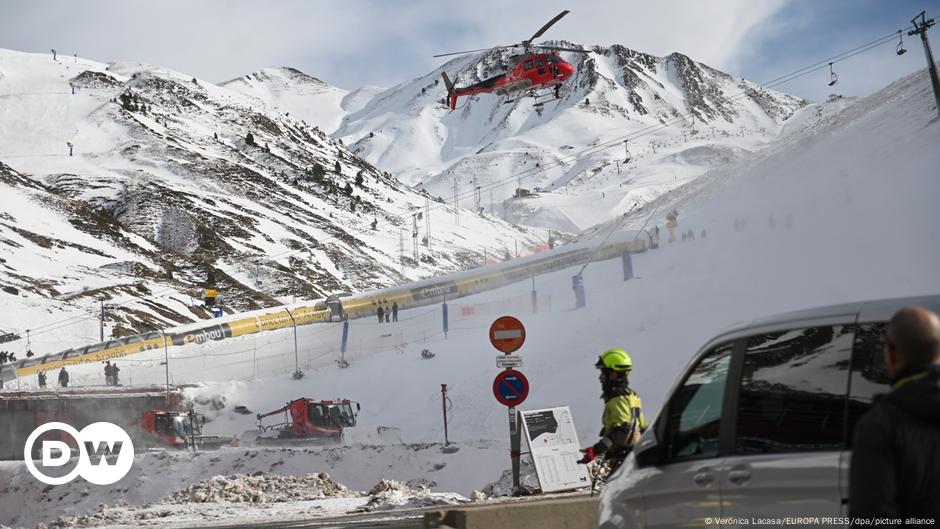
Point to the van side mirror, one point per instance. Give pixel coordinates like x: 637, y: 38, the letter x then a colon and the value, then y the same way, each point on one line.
x: 648, y: 452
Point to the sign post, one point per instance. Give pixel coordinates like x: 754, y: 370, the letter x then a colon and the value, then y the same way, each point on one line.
x: 507, y: 334
x: 511, y: 388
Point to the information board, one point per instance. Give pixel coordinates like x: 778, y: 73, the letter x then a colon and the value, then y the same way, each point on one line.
x: 553, y: 443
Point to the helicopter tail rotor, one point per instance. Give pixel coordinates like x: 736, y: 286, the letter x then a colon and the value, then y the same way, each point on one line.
x: 451, y: 95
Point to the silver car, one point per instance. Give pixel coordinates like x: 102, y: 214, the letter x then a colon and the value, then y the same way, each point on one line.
x: 758, y: 429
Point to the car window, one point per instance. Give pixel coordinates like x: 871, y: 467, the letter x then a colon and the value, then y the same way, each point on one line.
x: 528, y: 65
x: 869, y: 374
x: 695, y: 408
x: 792, y: 392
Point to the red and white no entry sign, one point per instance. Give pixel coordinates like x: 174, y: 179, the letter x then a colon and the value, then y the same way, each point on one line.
x: 507, y: 334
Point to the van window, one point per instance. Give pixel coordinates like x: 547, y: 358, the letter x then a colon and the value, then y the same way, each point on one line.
x: 792, y: 393
x: 869, y: 374
x: 695, y: 409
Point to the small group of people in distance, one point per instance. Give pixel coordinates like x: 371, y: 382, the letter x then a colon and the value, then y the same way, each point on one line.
x: 63, y: 378
x: 387, y: 314
x: 110, y: 376
x: 111, y: 373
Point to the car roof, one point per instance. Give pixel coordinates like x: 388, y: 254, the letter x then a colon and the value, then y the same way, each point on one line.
x: 844, y: 313
x: 883, y: 309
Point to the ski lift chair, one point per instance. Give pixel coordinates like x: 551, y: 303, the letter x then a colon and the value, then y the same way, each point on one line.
x: 833, y: 78
x: 900, y: 49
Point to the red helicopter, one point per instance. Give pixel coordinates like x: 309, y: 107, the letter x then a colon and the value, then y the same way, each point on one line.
x: 532, y: 70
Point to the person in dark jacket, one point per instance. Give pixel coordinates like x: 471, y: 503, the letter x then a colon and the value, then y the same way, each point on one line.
x: 395, y: 311
x: 42, y: 379
x: 380, y: 313
x: 895, y: 471
x: 63, y: 378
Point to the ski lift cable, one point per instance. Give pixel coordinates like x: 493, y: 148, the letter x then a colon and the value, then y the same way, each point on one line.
x: 571, y: 157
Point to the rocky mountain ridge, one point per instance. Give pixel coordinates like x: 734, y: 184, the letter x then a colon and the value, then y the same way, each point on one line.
x: 175, y: 185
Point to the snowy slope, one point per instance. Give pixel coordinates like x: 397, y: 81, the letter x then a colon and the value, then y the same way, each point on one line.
x: 314, y: 101
x: 164, y: 177
x: 682, y: 118
x: 295, y: 92
x: 841, y: 211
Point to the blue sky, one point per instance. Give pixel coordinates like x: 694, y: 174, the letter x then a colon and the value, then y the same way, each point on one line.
x: 804, y: 32
x: 356, y: 42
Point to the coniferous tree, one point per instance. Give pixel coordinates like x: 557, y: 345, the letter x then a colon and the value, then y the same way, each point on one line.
x: 337, y: 168
x: 317, y: 172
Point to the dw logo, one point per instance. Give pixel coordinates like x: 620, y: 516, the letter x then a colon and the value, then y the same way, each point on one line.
x: 106, y: 453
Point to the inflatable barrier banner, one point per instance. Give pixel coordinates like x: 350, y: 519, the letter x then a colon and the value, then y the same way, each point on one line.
x: 215, y: 332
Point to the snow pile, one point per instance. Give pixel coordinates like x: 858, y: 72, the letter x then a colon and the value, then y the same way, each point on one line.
x: 390, y: 494
x: 528, y: 482
x: 262, y: 487
x: 103, y: 516
x: 264, y: 496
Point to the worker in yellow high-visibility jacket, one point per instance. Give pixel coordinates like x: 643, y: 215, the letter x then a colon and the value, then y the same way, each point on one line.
x: 623, y: 415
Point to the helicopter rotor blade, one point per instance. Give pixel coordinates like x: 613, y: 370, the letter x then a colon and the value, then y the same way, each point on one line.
x: 559, y: 48
x: 472, y: 51
x: 548, y: 25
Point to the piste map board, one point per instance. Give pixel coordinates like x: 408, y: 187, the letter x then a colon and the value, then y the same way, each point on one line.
x: 554, y: 446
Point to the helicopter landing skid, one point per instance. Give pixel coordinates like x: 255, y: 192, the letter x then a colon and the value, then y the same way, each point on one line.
x: 540, y: 98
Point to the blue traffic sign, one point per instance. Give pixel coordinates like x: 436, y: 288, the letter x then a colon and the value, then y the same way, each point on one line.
x: 510, y: 387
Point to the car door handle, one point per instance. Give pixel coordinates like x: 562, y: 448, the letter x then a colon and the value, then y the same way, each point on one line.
x: 703, y: 479
x: 739, y: 476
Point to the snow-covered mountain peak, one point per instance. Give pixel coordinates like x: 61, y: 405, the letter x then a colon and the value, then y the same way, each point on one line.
x: 294, y: 92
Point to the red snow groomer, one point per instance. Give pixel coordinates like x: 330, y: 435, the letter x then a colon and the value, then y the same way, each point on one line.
x: 174, y: 429
x: 309, y: 420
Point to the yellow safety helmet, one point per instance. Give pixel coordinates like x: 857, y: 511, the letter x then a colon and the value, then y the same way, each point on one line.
x: 615, y: 360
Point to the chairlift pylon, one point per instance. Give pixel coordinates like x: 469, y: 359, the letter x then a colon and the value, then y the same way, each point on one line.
x: 900, y: 49
x: 833, y: 78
